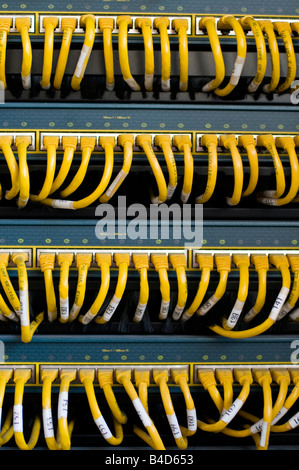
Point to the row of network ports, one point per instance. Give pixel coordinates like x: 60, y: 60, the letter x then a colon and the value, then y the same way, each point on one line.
x: 278, y: 147
x: 188, y: 411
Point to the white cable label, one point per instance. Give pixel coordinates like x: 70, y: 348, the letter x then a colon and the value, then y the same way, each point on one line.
x: 87, y: 317
x: 118, y: 180
x: 145, y: 419
x: 165, y: 85
x: 192, y: 419
x: 177, y: 312
x: 280, y: 414
x: 148, y: 81
x: 132, y: 84
x: 235, y: 313
x: 184, y: 197
x: 26, y: 82
x: 74, y: 310
x: 294, y: 421
x: 284, y: 311
x: 207, y: 305
x: 103, y: 428
x: 82, y: 61
x: 237, y: 70
x: 264, y: 434
x: 140, y: 309
x: 170, y: 190
x: 64, y: 308
x: 232, y: 411
x: 295, y: 314
x: 25, y: 320
x: 62, y: 204
x: 48, y: 423
x: 164, y: 309
x: 18, y: 418
x: 111, y: 308
x: 174, y: 426
x: 278, y: 304
x: 63, y: 401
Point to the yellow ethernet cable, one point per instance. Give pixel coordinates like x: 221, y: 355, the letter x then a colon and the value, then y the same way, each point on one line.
x: 181, y: 378
x: 7, y: 285
x: 295, y: 28
x: 22, y: 143
x: 223, y: 266
x: 5, y: 145
x: 226, y: 379
x: 285, y: 31
x: 225, y: 22
x: 105, y: 378
x: 184, y: 144
x: 66, y: 377
x: 208, y: 23
x: 294, y: 294
x: 281, y: 263
x: 106, y: 25
x: 261, y: 264
x: 268, y: 29
x: 6, y: 431
x: 126, y: 141
x: 107, y: 143
x: 87, y: 377
x: 162, y: 24
x: 161, y: 264
x: 141, y: 263
x: 83, y: 261
x: 124, y: 378
x: 5, y: 25
x: 104, y: 262
x: 64, y: 261
x: 181, y: 27
x: 145, y: 24
x: 122, y: 261
x: 21, y: 376
x: 249, y: 23
x: 27, y: 329
x: 264, y: 379
x: 210, y: 141
x: 289, y: 402
x: 205, y: 263
x: 50, y: 144
x: 23, y: 25
x: 87, y: 145
x: 164, y: 142
x: 68, y: 26
x: 145, y: 142
x: 230, y: 142
x: 242, y: 262
x: 49, y: 23
x: 245, y: 379
x: 47, y: 261
x: 249, y: 144
x: 69, y: 145
x: 88, y: 22
x: 208, y: 380
x: 268, y: 141
x: 161, y: 378
x: 124, y: 22
x: 179, y: 263
x: 142, y: 381
x: 48, y: 376
x: 287, y: 144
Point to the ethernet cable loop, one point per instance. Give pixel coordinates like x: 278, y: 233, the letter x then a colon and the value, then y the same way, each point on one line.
x: 149, y: 65
x: 107, y: 25
x: 164, y: 142
x: 6, y: 430
x: 124, y: 22
x: 210, y: 141
x: 230, y: 142
x: 227, y: 22
x: 23, y: 25
x: 268, y: 29
x: 284, y: 30
x: 22, y: 143
x: 87, y: 21
x: 83, y: 261
x: 21, y: 376
x: 161, y: 264
x: 87, y: 378
x: 5, y: 25
x: 69, y: 145
x: 47, y: 261
x: 65, y: 260
x: 68, y: 26
x: 184, y: 144
x: 208, y: 24
x: 5, y: 145
x: 49, y: 23
x: 162, y: 24
x: 141, y: 263
x: 51, y: 144
x: 181, y: 27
